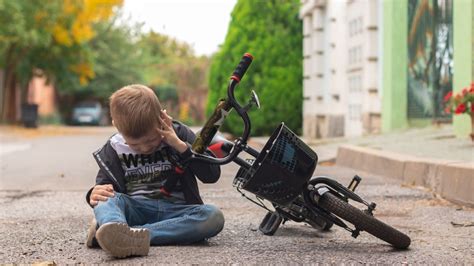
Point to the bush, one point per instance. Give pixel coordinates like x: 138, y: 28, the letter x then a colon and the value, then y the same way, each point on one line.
x: 272, y: 32
x: 52, y: 119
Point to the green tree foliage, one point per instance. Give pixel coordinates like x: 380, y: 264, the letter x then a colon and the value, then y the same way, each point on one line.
x: 113, y: 67
x: 20, y: 29
x: 47, y: 37
x: 272, y: 32
x: 160, y: 56
x: 83, y: 49
x: 159, y: 61
x: 170, y: 64
x: 116, y: 62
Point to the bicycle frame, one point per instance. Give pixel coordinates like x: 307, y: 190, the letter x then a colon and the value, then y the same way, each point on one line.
x: 223, y: 108
x: 281, y: 174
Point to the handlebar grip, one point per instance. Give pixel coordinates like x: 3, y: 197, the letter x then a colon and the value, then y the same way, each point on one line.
x: 242, y: 67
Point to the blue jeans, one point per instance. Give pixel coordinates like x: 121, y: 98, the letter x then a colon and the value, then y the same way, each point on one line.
x: 168, y: 223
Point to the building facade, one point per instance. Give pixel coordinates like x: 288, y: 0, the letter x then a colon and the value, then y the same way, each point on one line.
x: 449, y: 26
x: 341, y: 68
x: 381, y: 65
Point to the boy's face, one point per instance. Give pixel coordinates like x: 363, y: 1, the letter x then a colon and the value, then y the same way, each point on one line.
x: 145, y: 144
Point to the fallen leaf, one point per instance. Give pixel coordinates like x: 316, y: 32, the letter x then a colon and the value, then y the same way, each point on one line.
x: 45, y: 263
x: 327, y: 163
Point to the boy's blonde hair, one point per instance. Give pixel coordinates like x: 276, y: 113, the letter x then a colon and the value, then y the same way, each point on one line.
x: 135, y: 110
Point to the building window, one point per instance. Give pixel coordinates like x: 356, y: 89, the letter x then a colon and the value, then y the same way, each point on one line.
x: 355, y: 26
x: 355, y: 111
x: 359, y: 25
x: 355, y: 54
x: 355, y: 83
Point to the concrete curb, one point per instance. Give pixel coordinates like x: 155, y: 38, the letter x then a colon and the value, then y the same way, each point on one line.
x: 453, y: 180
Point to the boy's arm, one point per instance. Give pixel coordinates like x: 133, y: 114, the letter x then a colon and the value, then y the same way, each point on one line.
x: 207, y: 173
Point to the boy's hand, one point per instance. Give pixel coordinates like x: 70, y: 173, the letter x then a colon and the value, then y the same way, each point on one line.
x: 101, y: 193
x: 167, y: 133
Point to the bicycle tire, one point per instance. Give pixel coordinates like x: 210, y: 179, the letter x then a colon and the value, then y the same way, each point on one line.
x: 363, y: 221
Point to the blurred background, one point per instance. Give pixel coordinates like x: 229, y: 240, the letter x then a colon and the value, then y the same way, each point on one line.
x: 379, y: 88
x: 329, y: 68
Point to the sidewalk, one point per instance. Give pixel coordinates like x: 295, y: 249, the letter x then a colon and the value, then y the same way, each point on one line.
x: 430, y: 157
x: 17, y: 138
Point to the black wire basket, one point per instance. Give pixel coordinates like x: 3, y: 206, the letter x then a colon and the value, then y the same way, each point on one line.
x: 282, y: 169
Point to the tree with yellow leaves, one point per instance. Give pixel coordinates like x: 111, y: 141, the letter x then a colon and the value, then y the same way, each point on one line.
x: 52, y: 36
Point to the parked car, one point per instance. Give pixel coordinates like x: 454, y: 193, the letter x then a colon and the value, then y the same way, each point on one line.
x: 90, y: 113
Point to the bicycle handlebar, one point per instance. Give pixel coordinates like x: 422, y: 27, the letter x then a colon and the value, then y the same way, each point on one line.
x: 242, y: 67
x: 215, y: 121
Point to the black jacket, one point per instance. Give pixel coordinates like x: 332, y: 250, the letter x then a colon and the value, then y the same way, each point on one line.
x: 111, y: 171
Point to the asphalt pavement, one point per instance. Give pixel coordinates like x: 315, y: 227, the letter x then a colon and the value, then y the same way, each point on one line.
x: 44, y: 216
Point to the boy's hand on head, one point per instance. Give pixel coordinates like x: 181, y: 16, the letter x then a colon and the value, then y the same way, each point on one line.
x: 101, y: 193
x: 167, y: 133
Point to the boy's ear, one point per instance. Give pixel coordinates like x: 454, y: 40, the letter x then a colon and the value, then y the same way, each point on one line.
x: 113, y: 124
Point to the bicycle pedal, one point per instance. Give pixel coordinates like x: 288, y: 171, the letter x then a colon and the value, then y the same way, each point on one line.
x: 270, y: 223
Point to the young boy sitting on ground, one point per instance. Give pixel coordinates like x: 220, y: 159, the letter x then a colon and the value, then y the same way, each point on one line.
x: 132, y: 209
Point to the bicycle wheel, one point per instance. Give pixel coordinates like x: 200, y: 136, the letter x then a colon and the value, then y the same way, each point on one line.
x: 363, y: 221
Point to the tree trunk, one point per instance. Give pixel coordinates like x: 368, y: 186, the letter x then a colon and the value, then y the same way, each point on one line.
x: 9, y: 110
x: 9, y: 88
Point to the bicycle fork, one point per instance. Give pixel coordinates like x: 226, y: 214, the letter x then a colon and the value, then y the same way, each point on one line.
x: 321, y: 185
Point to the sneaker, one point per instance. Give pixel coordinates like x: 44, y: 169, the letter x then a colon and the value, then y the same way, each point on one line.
x: 122, y: 241
x: 91, y: 241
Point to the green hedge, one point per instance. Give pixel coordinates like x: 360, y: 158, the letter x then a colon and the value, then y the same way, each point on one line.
x: 272, y: 32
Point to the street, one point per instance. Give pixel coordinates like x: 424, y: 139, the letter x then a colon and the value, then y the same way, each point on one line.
x: 44, y: 216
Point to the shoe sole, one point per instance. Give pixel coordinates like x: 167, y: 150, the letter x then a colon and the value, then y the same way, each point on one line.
x: 91, y: 233
x: 121, y: 241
